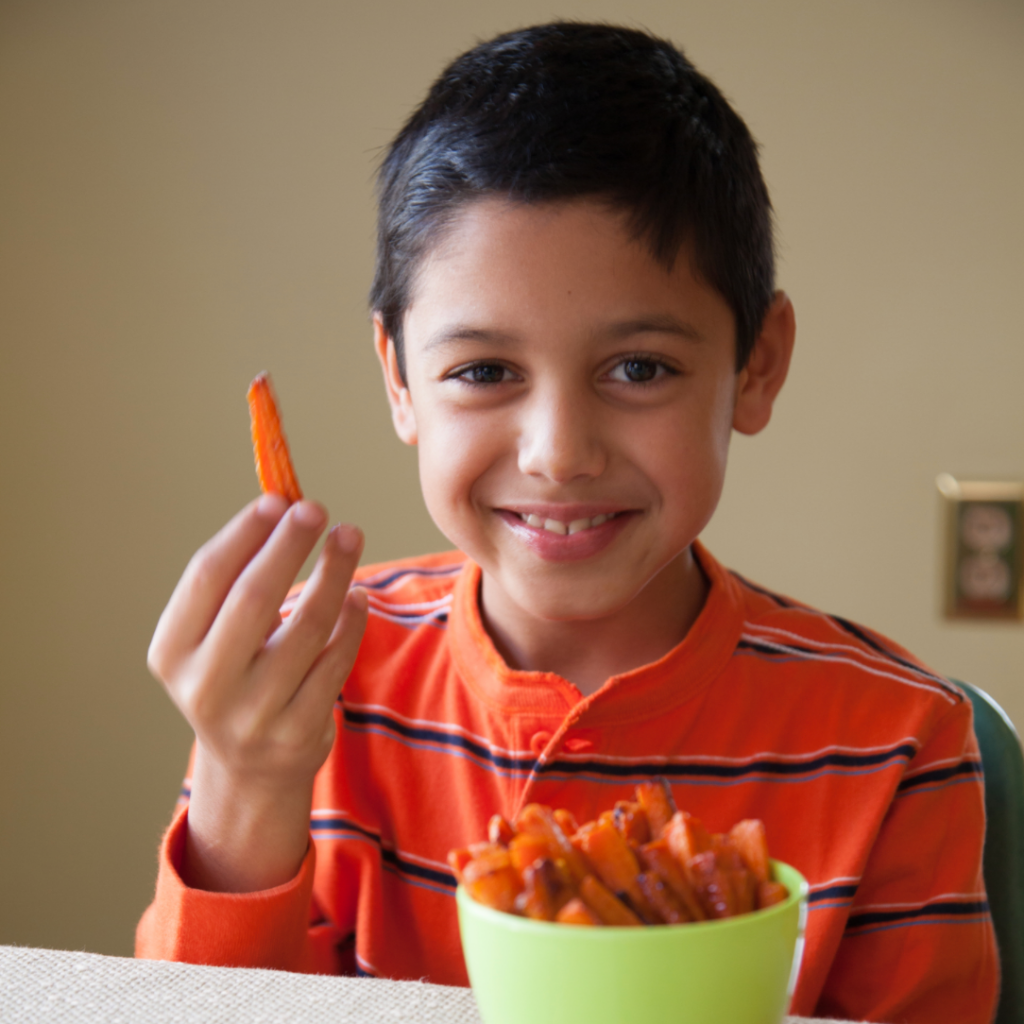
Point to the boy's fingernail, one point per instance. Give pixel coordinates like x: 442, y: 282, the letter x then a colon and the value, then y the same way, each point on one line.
x: 271, y: 506
x: 348, y: 538
x: 310, y: 514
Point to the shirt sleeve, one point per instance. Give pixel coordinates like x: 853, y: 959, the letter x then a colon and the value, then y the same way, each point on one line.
x: 277, y: 928
x: 919, y: 946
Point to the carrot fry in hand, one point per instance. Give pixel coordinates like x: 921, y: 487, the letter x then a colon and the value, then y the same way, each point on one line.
x: 656, y: 799
x: 273, y: 464
x: 605, y: 904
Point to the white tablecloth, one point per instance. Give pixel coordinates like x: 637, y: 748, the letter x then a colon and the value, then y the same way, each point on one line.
x: 42, y: 985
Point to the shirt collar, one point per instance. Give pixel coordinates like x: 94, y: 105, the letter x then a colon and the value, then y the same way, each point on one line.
x: 651, y: 689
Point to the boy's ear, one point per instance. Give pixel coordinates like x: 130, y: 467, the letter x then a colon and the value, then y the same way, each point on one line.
x: 762, y: 378
x: 403, y: 416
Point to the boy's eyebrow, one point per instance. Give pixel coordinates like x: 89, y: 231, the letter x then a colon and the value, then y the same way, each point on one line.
x: 463, y: 332
x: 659, y: 323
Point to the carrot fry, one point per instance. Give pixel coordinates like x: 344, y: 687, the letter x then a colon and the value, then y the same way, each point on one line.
x: 577, y: 912
x: 770, y: 893
x: 670, y: 909
x: 748, y: 836
x: 656, y: 799
x: 642, y: 863
x: 605, y: 904
x: 499, y: 830
x: 744, y: 884
x: 615, y: 863
x: 713, y: 885
x: 273, y: 464
x: 537, y: 820
x: 487, y: 858
x: 498, y: 889
x: 457, y: 860
x: 612, y: 859
x: 686, y: 837
x: 544, y: 893
x: 631, y: 820
x: 490, y: 879
x: 525, y: 850
x: 658, y: 858
x: 566, y: 821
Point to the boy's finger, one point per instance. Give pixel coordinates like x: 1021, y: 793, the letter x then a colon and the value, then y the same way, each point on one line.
x: 323, y: 683
x: 207, y: 580
x: 254, y: 601
x: 310, y: 625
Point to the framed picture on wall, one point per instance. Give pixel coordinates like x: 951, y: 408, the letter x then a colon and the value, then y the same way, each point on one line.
x: 984, y: 541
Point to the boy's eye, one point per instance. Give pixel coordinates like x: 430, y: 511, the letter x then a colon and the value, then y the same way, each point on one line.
x: 483, y: 373
x: 639, y: 370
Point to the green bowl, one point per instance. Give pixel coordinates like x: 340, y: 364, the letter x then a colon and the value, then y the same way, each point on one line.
x: 738, y: 971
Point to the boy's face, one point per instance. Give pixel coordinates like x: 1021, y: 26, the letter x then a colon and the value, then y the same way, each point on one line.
x: 572, y: 402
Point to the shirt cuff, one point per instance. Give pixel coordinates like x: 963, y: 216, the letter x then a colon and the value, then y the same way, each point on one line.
x: 255, y: 929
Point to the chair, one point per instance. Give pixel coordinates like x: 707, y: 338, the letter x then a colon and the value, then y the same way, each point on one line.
x: 1003, y: 763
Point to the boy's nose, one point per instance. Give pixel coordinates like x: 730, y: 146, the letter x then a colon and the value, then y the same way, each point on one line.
x: 560, y: 439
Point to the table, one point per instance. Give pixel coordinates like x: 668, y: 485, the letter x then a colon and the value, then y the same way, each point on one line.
x: 38, y: 985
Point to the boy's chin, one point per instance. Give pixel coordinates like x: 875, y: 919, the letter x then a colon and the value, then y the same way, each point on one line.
x: 595, y: 591
x: 557, y: 600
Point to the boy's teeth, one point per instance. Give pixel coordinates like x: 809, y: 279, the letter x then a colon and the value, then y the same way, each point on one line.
x: 557, y: 526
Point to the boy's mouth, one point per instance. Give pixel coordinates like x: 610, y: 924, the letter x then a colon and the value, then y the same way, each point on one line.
x: 566, y: 528
x: 566, y: 533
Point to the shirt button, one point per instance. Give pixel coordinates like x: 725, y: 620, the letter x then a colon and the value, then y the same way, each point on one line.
x: 539, y: 741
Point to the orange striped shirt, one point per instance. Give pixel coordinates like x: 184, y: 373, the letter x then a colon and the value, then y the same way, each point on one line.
x: 861, y: 762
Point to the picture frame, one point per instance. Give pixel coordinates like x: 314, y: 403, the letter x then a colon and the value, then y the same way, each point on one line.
x: 984, y: 548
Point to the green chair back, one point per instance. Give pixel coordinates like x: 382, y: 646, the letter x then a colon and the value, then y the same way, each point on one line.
x: 1003, y: 763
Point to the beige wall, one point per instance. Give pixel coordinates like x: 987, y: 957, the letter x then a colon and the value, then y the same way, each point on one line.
x: 185, y: 199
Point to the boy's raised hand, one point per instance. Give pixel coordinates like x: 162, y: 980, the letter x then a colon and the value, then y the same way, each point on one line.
x: 259, y: 694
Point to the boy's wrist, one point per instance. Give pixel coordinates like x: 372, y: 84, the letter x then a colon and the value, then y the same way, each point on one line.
x: 245, y: 834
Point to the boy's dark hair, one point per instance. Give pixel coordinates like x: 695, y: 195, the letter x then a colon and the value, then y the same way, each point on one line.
x: 568, y: 111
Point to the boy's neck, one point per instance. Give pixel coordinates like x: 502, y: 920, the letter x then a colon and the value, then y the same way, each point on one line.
x: 587, y: 653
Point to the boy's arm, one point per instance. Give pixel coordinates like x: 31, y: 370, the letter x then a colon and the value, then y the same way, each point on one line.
x: 270, y: 929
x: 919, y: 944
x: 236, y: 869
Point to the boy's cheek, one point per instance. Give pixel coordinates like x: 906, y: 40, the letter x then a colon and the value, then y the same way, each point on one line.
x: 446, y: 481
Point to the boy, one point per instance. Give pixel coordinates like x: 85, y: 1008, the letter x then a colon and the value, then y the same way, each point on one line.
x: 574, y: 307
